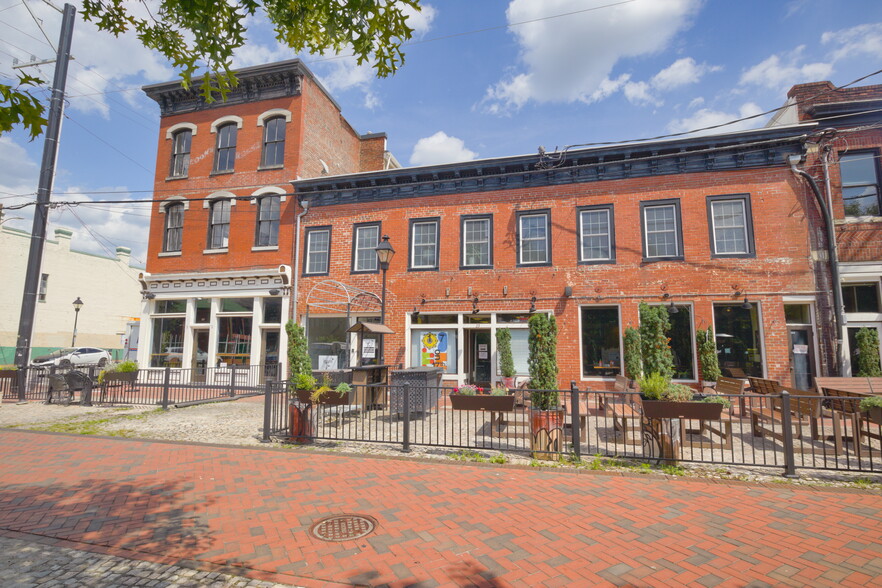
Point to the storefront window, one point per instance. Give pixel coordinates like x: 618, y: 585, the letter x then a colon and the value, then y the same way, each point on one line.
x: 171, y: 306
x: 234, y: 340
x: 203, y: 310
x: 327, y: 342
x: 272, y: 310
x: 237, y: 304
x: 797, y: 314
x: 168, y: 342
x: 434, y: 348
x: 681, y: 343
x: 520, y: 351
x: 601, y: 341
x: 512, y: 318
x: 436, y: 319
x: 738, y: 340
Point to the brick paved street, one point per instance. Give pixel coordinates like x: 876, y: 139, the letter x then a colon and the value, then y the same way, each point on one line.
x: 248, y: 511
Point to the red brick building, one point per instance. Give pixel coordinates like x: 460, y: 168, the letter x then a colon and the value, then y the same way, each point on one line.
x: 218, y: 279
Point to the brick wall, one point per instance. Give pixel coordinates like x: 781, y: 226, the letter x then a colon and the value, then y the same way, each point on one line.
x: 782, y: 265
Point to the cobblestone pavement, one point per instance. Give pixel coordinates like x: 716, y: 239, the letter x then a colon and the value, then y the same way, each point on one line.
x: 250, y: 511
x: 26, y: 563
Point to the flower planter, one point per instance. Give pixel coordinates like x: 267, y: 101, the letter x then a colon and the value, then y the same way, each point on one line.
x: 665, y: 409
x: 546, y: 433
x: 876, y: 415
x: 329, y: 398
x: 299, y: 427
x: 121, y: 378
x: 482, y: 402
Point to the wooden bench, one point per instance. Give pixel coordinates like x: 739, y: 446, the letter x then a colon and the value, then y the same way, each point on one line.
x: 733, y: 387
x: 722, y: 428
x: 765, y: 414
x: 845, y: 408
x: 621, y: 407
x: 860, y: 385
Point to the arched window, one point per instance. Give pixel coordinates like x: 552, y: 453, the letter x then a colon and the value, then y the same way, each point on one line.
x: 180, y: 159
x: 219, y: 224
x: 225, y: 152
x: 267, y: 221
x: 174, y: 227
x: 273, y: 142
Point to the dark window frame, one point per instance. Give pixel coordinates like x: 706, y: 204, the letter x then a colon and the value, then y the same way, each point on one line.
x: 849, y: 297
x: 182, y: 156
x: 612, y: 234
x: 538, y: 212
x: 874, y: 154
x: 410, y: 244
x: 306, y: 237
x: 267, y: 124
x: 675, y: 202
x: 228, y: 151
x: 353, y: 269
x: 212, y: 225
x: 748, y: 225
x: 262, y: 200
x: 173, y: 210
x: 465, y: 218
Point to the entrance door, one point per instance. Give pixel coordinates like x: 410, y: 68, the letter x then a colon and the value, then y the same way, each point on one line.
x: 270, y: 355
x: 479, y: 352
x: 802, y: 357
x: 199, y: 361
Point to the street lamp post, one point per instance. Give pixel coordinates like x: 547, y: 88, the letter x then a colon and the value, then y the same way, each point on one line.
x: 77, y: 304
x: 384, y: 256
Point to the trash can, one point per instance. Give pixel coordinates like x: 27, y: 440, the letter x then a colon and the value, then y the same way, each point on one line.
x: 422, y: 385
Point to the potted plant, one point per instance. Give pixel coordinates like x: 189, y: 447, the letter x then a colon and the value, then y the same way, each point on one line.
x: 654, y: 341
x: 469, y: 397
x: 868, y: 353
x: 301, y: 383
x: 707, y: 357
x: 506, y: 360
x: 337, y: 396
x: 663, y: 399
x: 633, y: 356
x: 119, y: 374
x: 873, y: 405
x: 546, y: 415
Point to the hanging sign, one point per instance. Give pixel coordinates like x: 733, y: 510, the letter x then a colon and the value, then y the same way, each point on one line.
x: 434, y: 350
x: 800, y: 349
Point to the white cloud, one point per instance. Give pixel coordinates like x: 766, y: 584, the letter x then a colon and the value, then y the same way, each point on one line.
x: 779, y: 72
x: 639, y: 93
x: 862, y: 40
x: 570, y: 58
x: 680, y: 73
x: 707, y: 117
x: 696, y: 102
x: 440, y: 148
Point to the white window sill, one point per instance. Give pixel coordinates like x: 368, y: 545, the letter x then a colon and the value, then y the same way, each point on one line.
x: 857, y: 219
x: 266, y: 248
x: 170, y: 254
x: 213, y: 251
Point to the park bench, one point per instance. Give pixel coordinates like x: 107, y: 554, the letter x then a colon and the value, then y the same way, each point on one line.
x: 624, y: 410
x: 845, y: 410
x: 767, y: 418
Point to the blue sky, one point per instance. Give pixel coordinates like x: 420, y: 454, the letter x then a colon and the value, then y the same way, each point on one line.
x: 483, y: 78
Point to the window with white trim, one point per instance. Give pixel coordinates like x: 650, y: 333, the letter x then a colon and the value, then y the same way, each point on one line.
x: 267, y: 221
x: 534, y: 243
x: 174, y: 227
x: 731, y: 229
x: 219, y: 225
x: 424, y: 244
x: 596, y: 234
x: 225, y: 152
x: 662, y: 233
x: 273, y: 154
x: 365, y: 239
x: 318, y: 250
x: 180, y: 159
x: 860, y: 183
x: 477, y: 237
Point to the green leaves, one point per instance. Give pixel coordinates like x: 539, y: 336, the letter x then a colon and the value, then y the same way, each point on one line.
x: 299, y: 363
x: 19, y: 106
x: 543, y: 361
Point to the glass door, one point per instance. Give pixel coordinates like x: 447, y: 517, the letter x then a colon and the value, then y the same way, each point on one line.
x: 480, y: 372
x: 199, y: 361
x: 802, y: 359
x: 269, y: 355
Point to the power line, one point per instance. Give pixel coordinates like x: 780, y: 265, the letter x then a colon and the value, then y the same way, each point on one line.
x: 85, y: 128
x: 97, y: 237
x: 24, y: 33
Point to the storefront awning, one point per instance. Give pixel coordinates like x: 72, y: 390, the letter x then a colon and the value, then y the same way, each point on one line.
x: 371, y: 328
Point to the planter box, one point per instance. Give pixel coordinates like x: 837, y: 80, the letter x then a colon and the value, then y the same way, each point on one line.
x: 121, y: 378
x: 546, y: 433
x: 482, y: 402
x: 330, y: 398
x: 876, y: 415
x: 665, y: 409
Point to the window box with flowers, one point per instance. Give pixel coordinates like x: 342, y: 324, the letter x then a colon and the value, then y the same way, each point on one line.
x: 469, y: 397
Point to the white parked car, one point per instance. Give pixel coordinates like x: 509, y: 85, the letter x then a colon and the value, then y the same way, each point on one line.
x: 71, y: 356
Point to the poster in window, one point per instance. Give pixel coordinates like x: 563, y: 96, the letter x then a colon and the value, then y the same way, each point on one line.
x: 369, y: 348
x: 434, y: 350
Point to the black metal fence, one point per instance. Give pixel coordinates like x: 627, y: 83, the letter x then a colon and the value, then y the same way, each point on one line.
x: 163, y: 387
x: 782, y: 431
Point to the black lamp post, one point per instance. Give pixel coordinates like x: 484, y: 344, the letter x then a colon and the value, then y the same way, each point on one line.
x: 77, y: 304
x: 384, y: 256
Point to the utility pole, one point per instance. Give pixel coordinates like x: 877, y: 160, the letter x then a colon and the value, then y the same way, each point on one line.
x: 44, y: 191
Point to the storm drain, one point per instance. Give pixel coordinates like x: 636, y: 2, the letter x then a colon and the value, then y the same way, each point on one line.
x: 343, y: 527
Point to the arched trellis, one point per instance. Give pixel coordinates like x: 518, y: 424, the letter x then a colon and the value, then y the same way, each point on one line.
x: 337, y: 297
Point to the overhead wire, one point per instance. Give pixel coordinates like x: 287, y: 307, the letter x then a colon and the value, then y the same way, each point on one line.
x: 98, y: 239
x: 132, y: 159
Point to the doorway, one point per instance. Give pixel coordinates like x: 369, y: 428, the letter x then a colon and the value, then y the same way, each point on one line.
x: 479, y: 366
x: 269, y: 355
x: 802, y: 357
x: 199, y: 361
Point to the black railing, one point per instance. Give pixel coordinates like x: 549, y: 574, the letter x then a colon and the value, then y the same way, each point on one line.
x: 780, y: 431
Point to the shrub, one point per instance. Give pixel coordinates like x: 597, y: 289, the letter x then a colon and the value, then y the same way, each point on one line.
x: 543, y: 361
x: 124, y: 367
x: 871, y: 402
x: 633, y: 354
x: 466, y: 390
x: 303, y: 381
x: 655, y: 344
x: 298, y: 353
x: 868, y: 354
x: 715, y: 399
x: 678, y: 393
x: 499, y: 391
x: 653, y: 386
x: 503, y: 347
x: 707, y: 354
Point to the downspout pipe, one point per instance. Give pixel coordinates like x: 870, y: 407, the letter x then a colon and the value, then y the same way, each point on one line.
x: 294, y: 291
x: 839, y: 309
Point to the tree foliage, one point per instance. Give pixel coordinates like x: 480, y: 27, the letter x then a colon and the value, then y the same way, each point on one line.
x: 543, y: 361
x: 707, y: 354
x: 654, y: 327
x: 200, y: 37
x: 503, y: 346
x: 299, y: 363
x: 633, y: 354
x: 868, y: 354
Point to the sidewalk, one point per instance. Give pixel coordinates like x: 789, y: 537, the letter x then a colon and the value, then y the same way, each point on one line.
x: 249, y: 512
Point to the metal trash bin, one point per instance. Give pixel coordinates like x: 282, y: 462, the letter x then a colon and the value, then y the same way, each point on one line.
x: 421, y: 384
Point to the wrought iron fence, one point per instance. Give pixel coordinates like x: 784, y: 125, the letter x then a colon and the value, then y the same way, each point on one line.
x: 781, y: 431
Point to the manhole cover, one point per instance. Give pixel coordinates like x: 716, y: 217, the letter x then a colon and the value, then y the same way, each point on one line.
x: 343, y: 527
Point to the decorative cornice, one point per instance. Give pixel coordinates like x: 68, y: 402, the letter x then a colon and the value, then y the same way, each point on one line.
x: 760, y: 148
